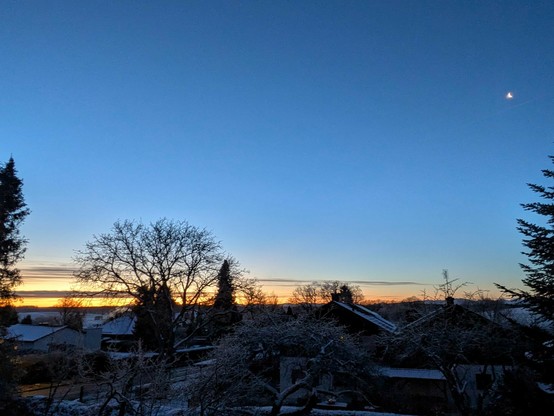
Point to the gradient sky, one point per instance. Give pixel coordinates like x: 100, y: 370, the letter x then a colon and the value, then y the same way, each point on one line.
x: 363, y: 141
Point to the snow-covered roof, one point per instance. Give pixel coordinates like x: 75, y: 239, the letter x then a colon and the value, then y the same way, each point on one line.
x: 31, y: 333
x: 195, y: 348
x: 368, y: 315
x: 93, y: 320
x: 119, y: 355
x: 454, y: 307
x: 525, y: 316
x: 425, y: 318
x: 417, y: 373
x: 547, y: 388
x: 124, y: 325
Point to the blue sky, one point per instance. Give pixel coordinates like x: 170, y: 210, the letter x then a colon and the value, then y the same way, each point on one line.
x: 364, y: 141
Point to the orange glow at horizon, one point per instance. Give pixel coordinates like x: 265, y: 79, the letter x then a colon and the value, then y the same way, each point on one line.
x: 45, y: 290
x: 51, y: 302
x: 277, y: 293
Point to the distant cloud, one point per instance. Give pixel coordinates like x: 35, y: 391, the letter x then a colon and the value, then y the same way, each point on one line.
x: 43, y: 293
x: 61, y: 273
x: 48, y: 270
x: 57, y: 294
x: 386, y: 283
x: 278, y: 280
x: 57, y: 275
x: 286, y: 282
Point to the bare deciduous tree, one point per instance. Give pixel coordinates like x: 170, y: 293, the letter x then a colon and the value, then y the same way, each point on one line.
x: 333, y: 287
x: 172, y: 261
x: 306, y: 296
x: 449, y: 288
x: 310, y: 295
x: 71, y: 312
x: 137, y: 384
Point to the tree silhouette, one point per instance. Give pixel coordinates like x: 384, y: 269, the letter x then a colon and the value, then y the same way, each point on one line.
x: 154, y: 319
x: 225, y: 296
x: 345, y: 294
x: 225, y: 312
x: 539, y: 240
x: 13, y: 211
x: 170, y: 261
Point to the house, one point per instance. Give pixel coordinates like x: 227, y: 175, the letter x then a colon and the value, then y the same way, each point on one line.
x: 419, y: 388
x: 481, y: 340
x: 357, y: 319
x: 117, y: 333
x: 470, y: 350
x: 47, y: 338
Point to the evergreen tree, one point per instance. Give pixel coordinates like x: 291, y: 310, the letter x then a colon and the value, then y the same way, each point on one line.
x: 345, y: 294
x: 12, y: 248
x: 8, y: 315
x: 8, y: 372
x: 13, y: 211
x: 145, y: 324
x: 164, y: 306
x: 154, y: 319
x: 225, y: 296
x: 225, y: 312
x: 539, y: 298
x: 539, y: 239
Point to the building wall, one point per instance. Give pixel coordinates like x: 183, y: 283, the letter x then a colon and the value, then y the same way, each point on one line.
x: 478, y: 379
x: 92, y: 338
x: 63, y: 336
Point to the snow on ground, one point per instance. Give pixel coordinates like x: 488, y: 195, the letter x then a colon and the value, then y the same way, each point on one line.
x: 76, y: 408
x: 321, y: 412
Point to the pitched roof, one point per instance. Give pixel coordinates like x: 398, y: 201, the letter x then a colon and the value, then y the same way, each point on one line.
x: 31, y: 333
x: 448, y: 309
x: 368, y: 315
x: 123, y: 325
x: 416, y: 373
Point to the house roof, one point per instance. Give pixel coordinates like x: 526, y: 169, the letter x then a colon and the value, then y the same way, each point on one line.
x: 524, y: 316
x: 368, y: 315
x: 448, y: 309
x: 415, y: 373
x: 31, y: 333
x: 123, y: 325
